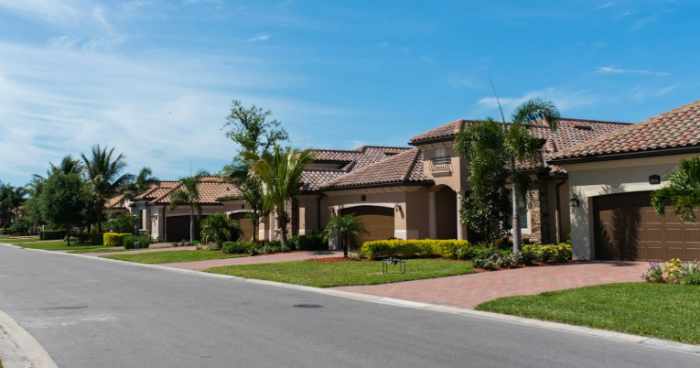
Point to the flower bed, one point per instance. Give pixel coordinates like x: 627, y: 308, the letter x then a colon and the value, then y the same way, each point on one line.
x: 674, y: 272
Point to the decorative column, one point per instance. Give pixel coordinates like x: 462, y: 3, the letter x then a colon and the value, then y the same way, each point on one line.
x: 432, y: 215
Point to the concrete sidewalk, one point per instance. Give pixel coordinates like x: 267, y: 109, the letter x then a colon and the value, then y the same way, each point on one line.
x: 468, y: 291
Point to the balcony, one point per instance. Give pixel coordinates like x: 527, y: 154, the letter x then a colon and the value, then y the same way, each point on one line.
x: 441, y: 166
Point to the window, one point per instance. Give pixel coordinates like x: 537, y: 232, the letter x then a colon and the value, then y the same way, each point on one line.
x: 524, y: 218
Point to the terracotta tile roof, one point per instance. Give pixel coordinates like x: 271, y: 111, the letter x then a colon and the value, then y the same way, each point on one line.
x: 441, y: 133
x: 405, y: 168
x: 157, y: 190
x: 676, y: 129
x: 351, y: 160
x: 116, y: 202
x: 211, y: 189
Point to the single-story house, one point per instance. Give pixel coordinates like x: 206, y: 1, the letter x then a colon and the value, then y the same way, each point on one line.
x: 611, y: 179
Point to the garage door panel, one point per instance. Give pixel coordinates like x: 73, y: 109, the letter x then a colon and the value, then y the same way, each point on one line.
x: 378, y: 222
x: 627, y: 227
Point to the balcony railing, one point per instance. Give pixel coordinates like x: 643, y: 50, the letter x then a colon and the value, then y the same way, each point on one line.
x: 441, y: 166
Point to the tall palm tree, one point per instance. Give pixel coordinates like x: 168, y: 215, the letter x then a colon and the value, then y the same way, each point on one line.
x: 683, y: 191
x: 68, y: 165
x: 103, y: 171
x: 187, y: 194
x: 250, y: 187
x: 520, y: 146
x: 345, y: 228
x: 140, y: 183
x: 280, y: 173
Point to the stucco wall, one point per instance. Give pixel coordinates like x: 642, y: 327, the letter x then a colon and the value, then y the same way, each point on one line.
x: 588, y: 180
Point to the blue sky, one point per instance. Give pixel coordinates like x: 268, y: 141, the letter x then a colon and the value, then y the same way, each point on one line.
x: 155, y: 78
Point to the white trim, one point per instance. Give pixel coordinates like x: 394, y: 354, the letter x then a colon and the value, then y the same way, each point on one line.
x: 391, y: 205
x: 233, y: 212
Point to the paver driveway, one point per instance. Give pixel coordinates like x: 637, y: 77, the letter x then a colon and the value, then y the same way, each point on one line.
x: 468, y: 291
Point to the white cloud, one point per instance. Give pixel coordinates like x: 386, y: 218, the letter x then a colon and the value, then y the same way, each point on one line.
x: 262, y: 37
x: 164, y: 112
x: 612, y: 70
x: 607, y: 5
x: 48, y: 10
x: 640, y: 94
x: 563, y: 99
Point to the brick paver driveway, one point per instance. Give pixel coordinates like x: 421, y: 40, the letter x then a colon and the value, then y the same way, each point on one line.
x: 468, y: 291
x: 268, y: 258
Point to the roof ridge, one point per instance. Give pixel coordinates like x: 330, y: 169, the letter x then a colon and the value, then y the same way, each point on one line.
x: 596, y: 121
x: 167, y: 193
x: 411, y: 166
x: 368, y: 167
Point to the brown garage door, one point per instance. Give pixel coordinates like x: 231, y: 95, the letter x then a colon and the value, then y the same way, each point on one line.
x: 177, y: 228
x: 246, y: 225
x: 377, y: 221
x: 628, y: 228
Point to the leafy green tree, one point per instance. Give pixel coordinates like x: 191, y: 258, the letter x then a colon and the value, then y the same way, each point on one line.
x: 217, y: 228
x: 682, y: 192
x: 252, y: 129
x: 486, y: 206
x: 251, y: 190
x: 345, y: 228
x: 64, y: 199
x: 11, y: 198
x: 187, y: 194
x: 121, y: 223
x: 33, y: 203
x: 104, y: 172
x: 68, y: 165
x: 280, y: 172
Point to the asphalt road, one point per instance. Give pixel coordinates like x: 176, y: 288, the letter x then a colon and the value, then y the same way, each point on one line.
x: 89, y: 313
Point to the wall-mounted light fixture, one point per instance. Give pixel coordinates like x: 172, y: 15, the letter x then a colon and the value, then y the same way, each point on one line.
x: 654, y: 179
x: 574, y: 201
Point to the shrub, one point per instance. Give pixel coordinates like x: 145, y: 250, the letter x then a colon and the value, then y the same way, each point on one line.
x: 113, y: 239
x: 313, y: 241
x: 426, y: 248
x: 238, y: 247
x: 52, y: 235
x: 216, y: 228
x: 136, y: 241
x: 655, y: 273
x: 90, y: 238
x: 549, y: 253
x: 121, y: 223
x: 673, y: 271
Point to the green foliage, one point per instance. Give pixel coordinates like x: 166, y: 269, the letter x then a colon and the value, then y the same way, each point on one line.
x: 131, y: 241
x: 674, y: 271
x: 64, y: 200
x: 346, y: 228
x: 425, y: 248
x: 217, y: 228
x: 238, y: 247
x: 114, y: 239
x: 188, y: 195
x: 280, y: 173
x: 655, y: 273
x: 52, y: 235
x: 683, y: 191
x: 313, y: 241
x: 103, y: 170
x: 140, y: 183
x: 486, y: 205
x: 121, y: 223
x: 11, y: 198
x: 550, y: 253
x: 252, y: 130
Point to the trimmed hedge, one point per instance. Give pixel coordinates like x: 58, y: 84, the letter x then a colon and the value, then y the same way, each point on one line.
x: 136, y: 241
x: 113, y: 239
x: 547, y: 253
x: 52, y: 235
x: 427, y: 248
x: 238, y: 247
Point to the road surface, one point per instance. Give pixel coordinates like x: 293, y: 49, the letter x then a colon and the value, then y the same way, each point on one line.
x: 90, y: 313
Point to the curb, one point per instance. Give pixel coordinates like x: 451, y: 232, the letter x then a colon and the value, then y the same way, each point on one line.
x: 19, y: 349
x: 643, y: 341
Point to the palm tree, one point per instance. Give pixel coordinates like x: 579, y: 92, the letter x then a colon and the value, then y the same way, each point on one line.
x: 345, y: 228
x: 280, y: 173
x: 103, y: 171
x: 187, y: 194
x: 683, y: 191
x: 68, y: 165
x: 520, y: 146
x: 140, y: 183
x: 250, y: 187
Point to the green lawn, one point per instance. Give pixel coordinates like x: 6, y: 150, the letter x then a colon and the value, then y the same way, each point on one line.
x: 344, y: 273
x: 55, y: 245
x: 174, y: 256
x: 658, y: 310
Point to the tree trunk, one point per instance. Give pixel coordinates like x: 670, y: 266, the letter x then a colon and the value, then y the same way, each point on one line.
x: 346, y: 245
x: 515, y: 220
x: 68, y: 231
x: 192, y: 227
x: 282, y: 224
x: 256, y: 227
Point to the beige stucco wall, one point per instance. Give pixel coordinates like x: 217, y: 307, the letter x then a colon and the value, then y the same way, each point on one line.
x: 456, y: 179
x: 588, y: 180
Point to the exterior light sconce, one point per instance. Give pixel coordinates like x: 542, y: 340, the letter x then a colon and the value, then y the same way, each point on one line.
x: 574, y: 201
x: 398, y: 209
x: 654, y: 179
